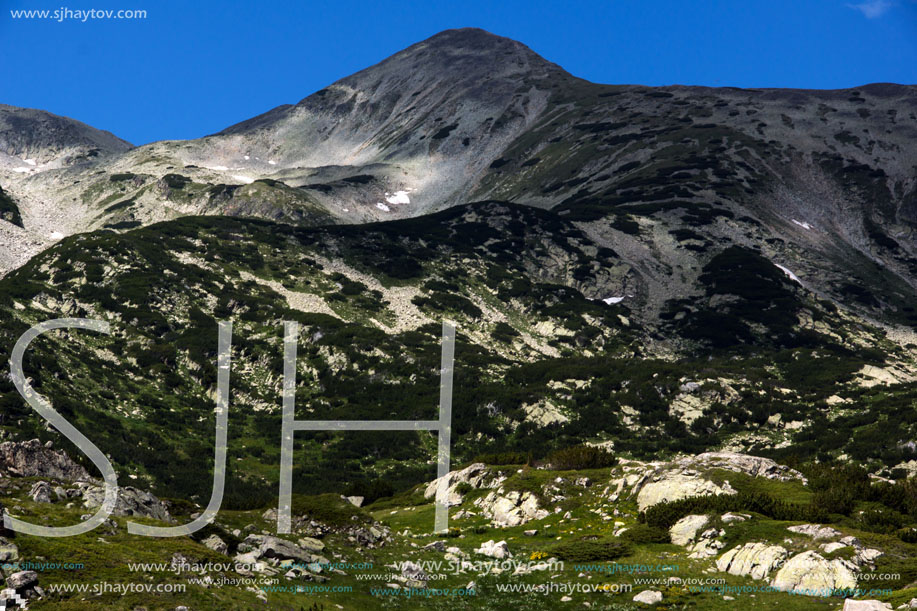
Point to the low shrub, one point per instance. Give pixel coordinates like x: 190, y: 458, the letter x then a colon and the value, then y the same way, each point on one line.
x: 590, y: 551
x: 644, y: 533
x: 580, y: 457
x: 504, y: 458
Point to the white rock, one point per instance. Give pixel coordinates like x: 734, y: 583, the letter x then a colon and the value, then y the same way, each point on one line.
x: 648, y: 597
x: 851, y: 604
x: 675, y: 486
x: 755, y: 560
x: 734, y: 517
x: 816, y: 531
x: 685, y: 529
x: 475, y: 475
x: 497, y: 550
x: 831, y: 547
x: 811, y: 573
x: 511, y: 508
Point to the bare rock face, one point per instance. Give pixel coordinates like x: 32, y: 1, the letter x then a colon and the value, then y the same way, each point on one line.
x: 32, y: 459
x: 673, y: 486
x: 700, y: 543
x: 743, y: 463
x: 810, y: 573
x: 476, y: 475
x: 815, y: 531
x: 42, y: 136
x: 131, y: 502
x: 685, y: 529
x: 755, y: 560
x: 511, y: 508
x: 683, y: 478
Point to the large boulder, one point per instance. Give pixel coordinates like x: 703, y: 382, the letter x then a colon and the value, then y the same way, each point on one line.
x: 511, y: 508
x: 32, y: 459
x: 497, y: 550
x: 275, y: 547
x: 811, y: 574
x: 131, y: 502
x: 673, y: 486
x: 755, y: 560
x: 851, y: 604
x: 476, y: 475
x: 648, y: 597
x: 311, y: 544
x: 685, y: 529
x: 22, y: 580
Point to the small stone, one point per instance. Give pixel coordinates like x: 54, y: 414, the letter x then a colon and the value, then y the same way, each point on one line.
x: 41, y: 492
x: 216, y: 544
x: 648, y: 597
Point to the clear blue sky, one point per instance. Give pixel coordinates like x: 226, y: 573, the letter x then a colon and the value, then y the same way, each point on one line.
x: 192, y: 68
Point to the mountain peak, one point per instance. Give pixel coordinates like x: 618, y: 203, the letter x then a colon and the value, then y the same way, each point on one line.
x: 472, y: 52
x: 470, y: 38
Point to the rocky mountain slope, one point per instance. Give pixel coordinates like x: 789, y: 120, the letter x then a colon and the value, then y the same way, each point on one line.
x: 821, y: 182
x: 546, y: 358
x: 714, y: 284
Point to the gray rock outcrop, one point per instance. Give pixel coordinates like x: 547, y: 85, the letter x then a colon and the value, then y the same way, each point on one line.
x: 131, y: 502
x: 810, y: 573
x: 755, y: 560
x: 32, y: 459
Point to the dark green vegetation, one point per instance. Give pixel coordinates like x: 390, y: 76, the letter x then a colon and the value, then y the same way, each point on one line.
x: 144, y: 394
x: 9, y: 211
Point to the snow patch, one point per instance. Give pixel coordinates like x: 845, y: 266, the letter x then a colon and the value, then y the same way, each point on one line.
x: 247, y: 158
x: 802, y: 224
x: 398, y: 197
x: 22, y: 169
x: 29, y: 161
x: 272, y: 162
x: 789, y: 274
x: 611, y: 300
x: 218, y: 168
x: 383, y: 207
x: 244, y: 179
x: 57, y: 235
